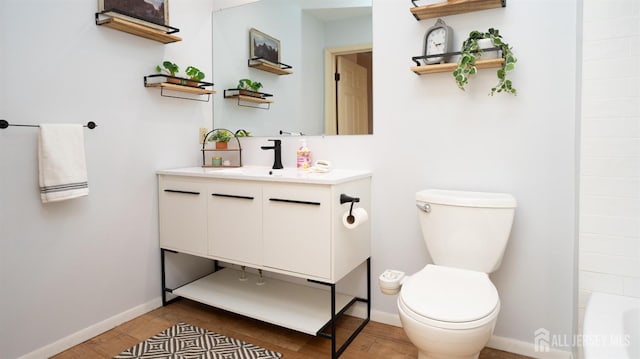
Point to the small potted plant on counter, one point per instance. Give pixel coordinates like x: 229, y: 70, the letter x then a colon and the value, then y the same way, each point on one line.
x: 221, y: 138
x: 249, y: 88
x: 472, y: 48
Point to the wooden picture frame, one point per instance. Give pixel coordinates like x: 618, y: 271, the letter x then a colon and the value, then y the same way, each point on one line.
x: 266, y: 47
x: 140, y: 11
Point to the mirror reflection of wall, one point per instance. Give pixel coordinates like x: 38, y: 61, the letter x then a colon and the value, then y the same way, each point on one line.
x: 307, y: 31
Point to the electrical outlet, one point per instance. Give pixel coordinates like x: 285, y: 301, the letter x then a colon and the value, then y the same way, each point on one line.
x: 203, y: 132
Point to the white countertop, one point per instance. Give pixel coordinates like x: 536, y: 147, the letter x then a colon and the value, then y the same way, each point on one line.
x: 260, y: 173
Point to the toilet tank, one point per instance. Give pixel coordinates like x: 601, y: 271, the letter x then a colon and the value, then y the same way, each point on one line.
x: 467, y: 230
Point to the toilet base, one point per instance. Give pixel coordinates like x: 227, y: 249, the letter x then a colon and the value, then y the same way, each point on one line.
x: 431, y: 356
x: 439, y: 343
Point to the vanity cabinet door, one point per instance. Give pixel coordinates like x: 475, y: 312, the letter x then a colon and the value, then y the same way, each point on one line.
x: 235, y: 221
x: 183, y: 215
x: 297, y: 228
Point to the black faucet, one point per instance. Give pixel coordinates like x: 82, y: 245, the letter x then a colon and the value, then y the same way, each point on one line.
x: 277, y: 153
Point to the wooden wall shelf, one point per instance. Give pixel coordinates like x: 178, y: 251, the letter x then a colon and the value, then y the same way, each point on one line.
x: 182, y: 88
x: 278, y: 69
x: 449, y: 67
x: 152, y: 31
x: 453, y: 7
x: 253, y: 96
x: 161, y: 81
x: 250, y: 101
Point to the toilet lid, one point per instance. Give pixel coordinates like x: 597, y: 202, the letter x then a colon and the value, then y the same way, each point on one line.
x: 450, y: 294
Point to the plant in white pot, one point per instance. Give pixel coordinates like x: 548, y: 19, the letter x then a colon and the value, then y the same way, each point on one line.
x: 471, y: 50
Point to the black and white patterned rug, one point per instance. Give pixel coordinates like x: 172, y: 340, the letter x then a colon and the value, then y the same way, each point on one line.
x: 185, y: 341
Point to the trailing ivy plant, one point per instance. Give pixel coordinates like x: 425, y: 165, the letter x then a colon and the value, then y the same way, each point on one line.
x: 242, y: 133
x: 467, y: 63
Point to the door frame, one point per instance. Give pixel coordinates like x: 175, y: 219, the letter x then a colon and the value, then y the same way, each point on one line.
x: 330, y: 55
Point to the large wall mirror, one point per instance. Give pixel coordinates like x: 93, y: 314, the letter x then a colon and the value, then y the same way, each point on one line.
x: 318, y: 38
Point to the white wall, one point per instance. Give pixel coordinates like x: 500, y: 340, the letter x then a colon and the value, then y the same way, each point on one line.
x: 69, y: 265
x: 445, y: 138
x: 428, y: 134
x: 610, y: 161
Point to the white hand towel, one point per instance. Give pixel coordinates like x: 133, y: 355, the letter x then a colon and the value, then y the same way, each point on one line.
x: 62, y: 164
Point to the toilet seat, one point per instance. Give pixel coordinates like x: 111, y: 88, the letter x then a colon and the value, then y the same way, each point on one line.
x: 449, y: 298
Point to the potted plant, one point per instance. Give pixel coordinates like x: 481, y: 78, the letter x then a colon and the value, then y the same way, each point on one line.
x: 471, y: 50
x: 195, y: 75
x: 221, y: 138
x: 170, y: 68
x: 249, y: 88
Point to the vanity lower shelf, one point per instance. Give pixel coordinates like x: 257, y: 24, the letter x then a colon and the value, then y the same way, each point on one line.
x: 298, y: 307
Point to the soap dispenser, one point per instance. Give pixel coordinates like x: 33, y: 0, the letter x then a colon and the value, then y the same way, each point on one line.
x: 303, y: 156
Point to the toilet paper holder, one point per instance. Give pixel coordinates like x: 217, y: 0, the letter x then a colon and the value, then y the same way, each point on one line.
x: 346, y: 199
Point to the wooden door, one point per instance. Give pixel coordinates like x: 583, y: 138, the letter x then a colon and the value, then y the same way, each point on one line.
x: 352, y: 99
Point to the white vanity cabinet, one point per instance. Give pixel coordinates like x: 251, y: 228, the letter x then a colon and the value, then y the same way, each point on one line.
x: 297, y: 228
x: 289, y: 223
x: 183, y: 215
x: 234, y: 221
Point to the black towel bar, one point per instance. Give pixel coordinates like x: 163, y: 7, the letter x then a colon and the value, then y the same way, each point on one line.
x: 4, y: 124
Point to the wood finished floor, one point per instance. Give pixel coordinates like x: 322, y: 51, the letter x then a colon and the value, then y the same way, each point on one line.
x: 376, y: 341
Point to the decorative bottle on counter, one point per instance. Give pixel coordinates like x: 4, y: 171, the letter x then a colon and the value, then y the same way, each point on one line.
x: 303, y: 156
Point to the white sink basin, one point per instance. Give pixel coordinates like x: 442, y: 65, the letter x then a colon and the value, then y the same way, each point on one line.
x: 254, y: 171
x: 264, y: 173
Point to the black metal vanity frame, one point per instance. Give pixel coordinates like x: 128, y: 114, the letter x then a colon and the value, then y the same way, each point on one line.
x: 327, y: 331
x: 336, y: 352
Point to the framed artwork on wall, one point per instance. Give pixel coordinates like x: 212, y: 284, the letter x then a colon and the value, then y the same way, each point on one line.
x: 153, y: 11
x: 264, y: 47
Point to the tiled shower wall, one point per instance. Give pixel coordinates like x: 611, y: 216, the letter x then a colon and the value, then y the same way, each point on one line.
x: 609, y: 243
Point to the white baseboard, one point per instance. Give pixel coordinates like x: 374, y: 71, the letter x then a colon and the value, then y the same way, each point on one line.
x: 386, y: 318
x: 92, y: 331
x: 359, y: 310
x: 525, y: 348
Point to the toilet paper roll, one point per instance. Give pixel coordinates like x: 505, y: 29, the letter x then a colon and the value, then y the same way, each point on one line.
x: 358, y: 216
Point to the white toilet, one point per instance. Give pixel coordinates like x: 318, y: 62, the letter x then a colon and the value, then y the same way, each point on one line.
x: 449, y: 308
